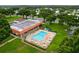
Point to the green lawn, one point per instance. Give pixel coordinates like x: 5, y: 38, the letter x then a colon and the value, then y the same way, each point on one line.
x: 17, y: 46
x: 12, y: 18
x: 60, y: 34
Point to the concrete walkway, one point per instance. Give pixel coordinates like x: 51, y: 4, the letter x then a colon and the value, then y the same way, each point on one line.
x: 41, y: 50
x: 7, y: 42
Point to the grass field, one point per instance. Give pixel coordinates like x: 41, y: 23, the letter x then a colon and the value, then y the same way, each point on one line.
x: 17, y: 46
x: 12, y: 18
x: 60, y: 34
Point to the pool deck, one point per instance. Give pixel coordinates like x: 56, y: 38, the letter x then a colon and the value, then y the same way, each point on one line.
x: 43, y: 43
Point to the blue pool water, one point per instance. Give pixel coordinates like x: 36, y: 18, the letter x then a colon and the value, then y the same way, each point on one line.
x: 40, y: 36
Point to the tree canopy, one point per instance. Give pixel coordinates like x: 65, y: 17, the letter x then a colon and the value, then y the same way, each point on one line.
x: 44, y: 13
x: 4, y: 29
x: 70, y: 44
x: 8, y: 11
x: 24, y: 12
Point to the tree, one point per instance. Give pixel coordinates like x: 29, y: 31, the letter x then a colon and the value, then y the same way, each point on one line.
x: 62, y: 18
x: 33, y: 12
x: 70, y: 44
x: 44, y: 12
x: 71, y: 20
x: 9, y: 11
x: 76, y: 32
x: 2, y: 11
x: 50, y: 18
x: 4, y: 29
x: 2, y: 16
x: 24, y: 12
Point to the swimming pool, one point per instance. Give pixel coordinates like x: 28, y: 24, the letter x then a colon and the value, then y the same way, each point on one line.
x: 39, y: 36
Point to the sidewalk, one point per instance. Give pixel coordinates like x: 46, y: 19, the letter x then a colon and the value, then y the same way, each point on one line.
x: 7, y: 42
